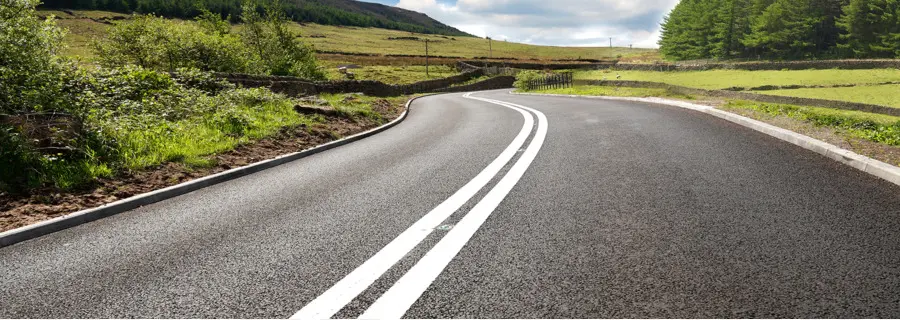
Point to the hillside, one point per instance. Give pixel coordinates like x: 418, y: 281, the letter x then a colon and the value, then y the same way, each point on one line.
x: 327, y: 12
x: 351, y: 41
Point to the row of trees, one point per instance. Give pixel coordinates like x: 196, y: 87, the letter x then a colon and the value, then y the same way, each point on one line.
x: 782, y: 29
x: 300, y: 11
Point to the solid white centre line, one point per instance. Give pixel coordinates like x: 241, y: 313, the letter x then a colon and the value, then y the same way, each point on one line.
x: 348, y: 288
x: 401, y: 296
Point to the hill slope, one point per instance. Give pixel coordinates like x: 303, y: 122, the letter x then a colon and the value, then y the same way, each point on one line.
x: 327, y: 12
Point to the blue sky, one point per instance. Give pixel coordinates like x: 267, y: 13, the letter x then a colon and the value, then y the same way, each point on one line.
x: 551, y: 22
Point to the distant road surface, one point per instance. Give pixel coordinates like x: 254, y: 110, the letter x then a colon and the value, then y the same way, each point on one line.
x: 495, y: 206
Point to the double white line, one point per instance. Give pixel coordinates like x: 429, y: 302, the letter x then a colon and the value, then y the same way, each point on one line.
x: 394, y: 303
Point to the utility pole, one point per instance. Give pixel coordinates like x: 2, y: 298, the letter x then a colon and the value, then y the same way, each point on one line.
x: 490, y: 48
x: 426, y: 60
x: 610, y: 42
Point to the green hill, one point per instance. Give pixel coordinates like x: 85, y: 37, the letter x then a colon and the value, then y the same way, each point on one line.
x: 326, y: 12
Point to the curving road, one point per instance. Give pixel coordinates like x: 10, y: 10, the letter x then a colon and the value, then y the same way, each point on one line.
x: 495, y: 206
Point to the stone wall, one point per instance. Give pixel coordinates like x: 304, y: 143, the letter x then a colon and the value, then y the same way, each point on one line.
x: 844, y: 105
x: 299, y: 87
x: 541, y: 66
x: 501, y: 82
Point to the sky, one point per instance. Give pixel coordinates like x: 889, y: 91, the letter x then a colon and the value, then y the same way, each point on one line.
x: 551, y: 22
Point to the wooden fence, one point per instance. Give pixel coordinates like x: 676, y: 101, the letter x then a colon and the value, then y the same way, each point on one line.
x: 553, y: 81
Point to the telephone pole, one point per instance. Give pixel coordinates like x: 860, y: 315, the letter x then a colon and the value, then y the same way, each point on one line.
x: 610, y: 42
x: 426, y: 60
x: 490, y: 48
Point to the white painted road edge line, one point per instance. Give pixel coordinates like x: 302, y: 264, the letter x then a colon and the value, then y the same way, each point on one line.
x: 394, y: 303
x: 863, y: 163
x: 344, y: 291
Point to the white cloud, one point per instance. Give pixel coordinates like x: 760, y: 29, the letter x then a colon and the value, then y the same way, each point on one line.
x: 558, y: 22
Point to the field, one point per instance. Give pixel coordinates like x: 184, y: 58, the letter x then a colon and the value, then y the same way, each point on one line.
x: 85, y: 26
x: 721, y: 79
x: 371, y: 40
x: 886, y: 95
x: 615, y: 92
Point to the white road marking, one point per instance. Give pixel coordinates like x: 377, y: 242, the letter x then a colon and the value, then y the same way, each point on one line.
x: 401, y: 296
x: 345, y: 290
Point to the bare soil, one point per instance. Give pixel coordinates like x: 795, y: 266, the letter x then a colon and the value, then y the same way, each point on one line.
x: 22, y: 210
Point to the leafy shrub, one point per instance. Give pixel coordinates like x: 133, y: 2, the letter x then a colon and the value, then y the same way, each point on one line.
x: 278, y: 49
x: 524, y: 77
x: 29, y: 66
x: 156, y: 43
x: 265, y: 46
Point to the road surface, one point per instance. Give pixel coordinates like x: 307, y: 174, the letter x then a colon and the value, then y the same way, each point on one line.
x: 472, y: 208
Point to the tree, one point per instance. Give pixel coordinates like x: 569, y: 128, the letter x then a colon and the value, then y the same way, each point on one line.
x: 785, y: 29
x: 871, y: 28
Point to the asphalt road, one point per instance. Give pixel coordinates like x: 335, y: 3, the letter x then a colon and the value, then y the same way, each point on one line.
x: 613, y: 209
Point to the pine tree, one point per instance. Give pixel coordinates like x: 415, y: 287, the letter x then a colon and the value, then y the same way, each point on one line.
x: 785, y: 29
x: 871, y: 28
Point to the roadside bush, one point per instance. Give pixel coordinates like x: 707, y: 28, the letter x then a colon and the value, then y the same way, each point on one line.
x: 29, y: 67
x: 265, y: 45
x: 30, y: 81
x: 279, y: 50
x: 524, y: 77
x: 159, y: 44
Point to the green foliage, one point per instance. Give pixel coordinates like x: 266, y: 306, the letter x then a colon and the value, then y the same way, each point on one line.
x: 29, y: 68
x: 876, y: 128
x: 524, y: 77
x: 160, y: 44
x: 781, y: 29
x: 784, y: 29
x: 265, y: 45
x: 872, y: 28
x: 278, y: 49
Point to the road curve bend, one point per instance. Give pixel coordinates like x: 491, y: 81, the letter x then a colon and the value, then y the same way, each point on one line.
x: 491, y: 205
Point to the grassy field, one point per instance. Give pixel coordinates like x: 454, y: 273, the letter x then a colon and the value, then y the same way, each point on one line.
x: 615, y: 92
x: 885, y: 95
x: 721, y: 79
x: 371, y: 40
x: 84, y: 26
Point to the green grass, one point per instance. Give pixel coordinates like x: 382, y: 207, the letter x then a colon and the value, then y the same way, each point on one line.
x: 190, y: 141
x: 885, y: 95
x: 614, y: 92
x: 721, y: 79
x: 873, y: 127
